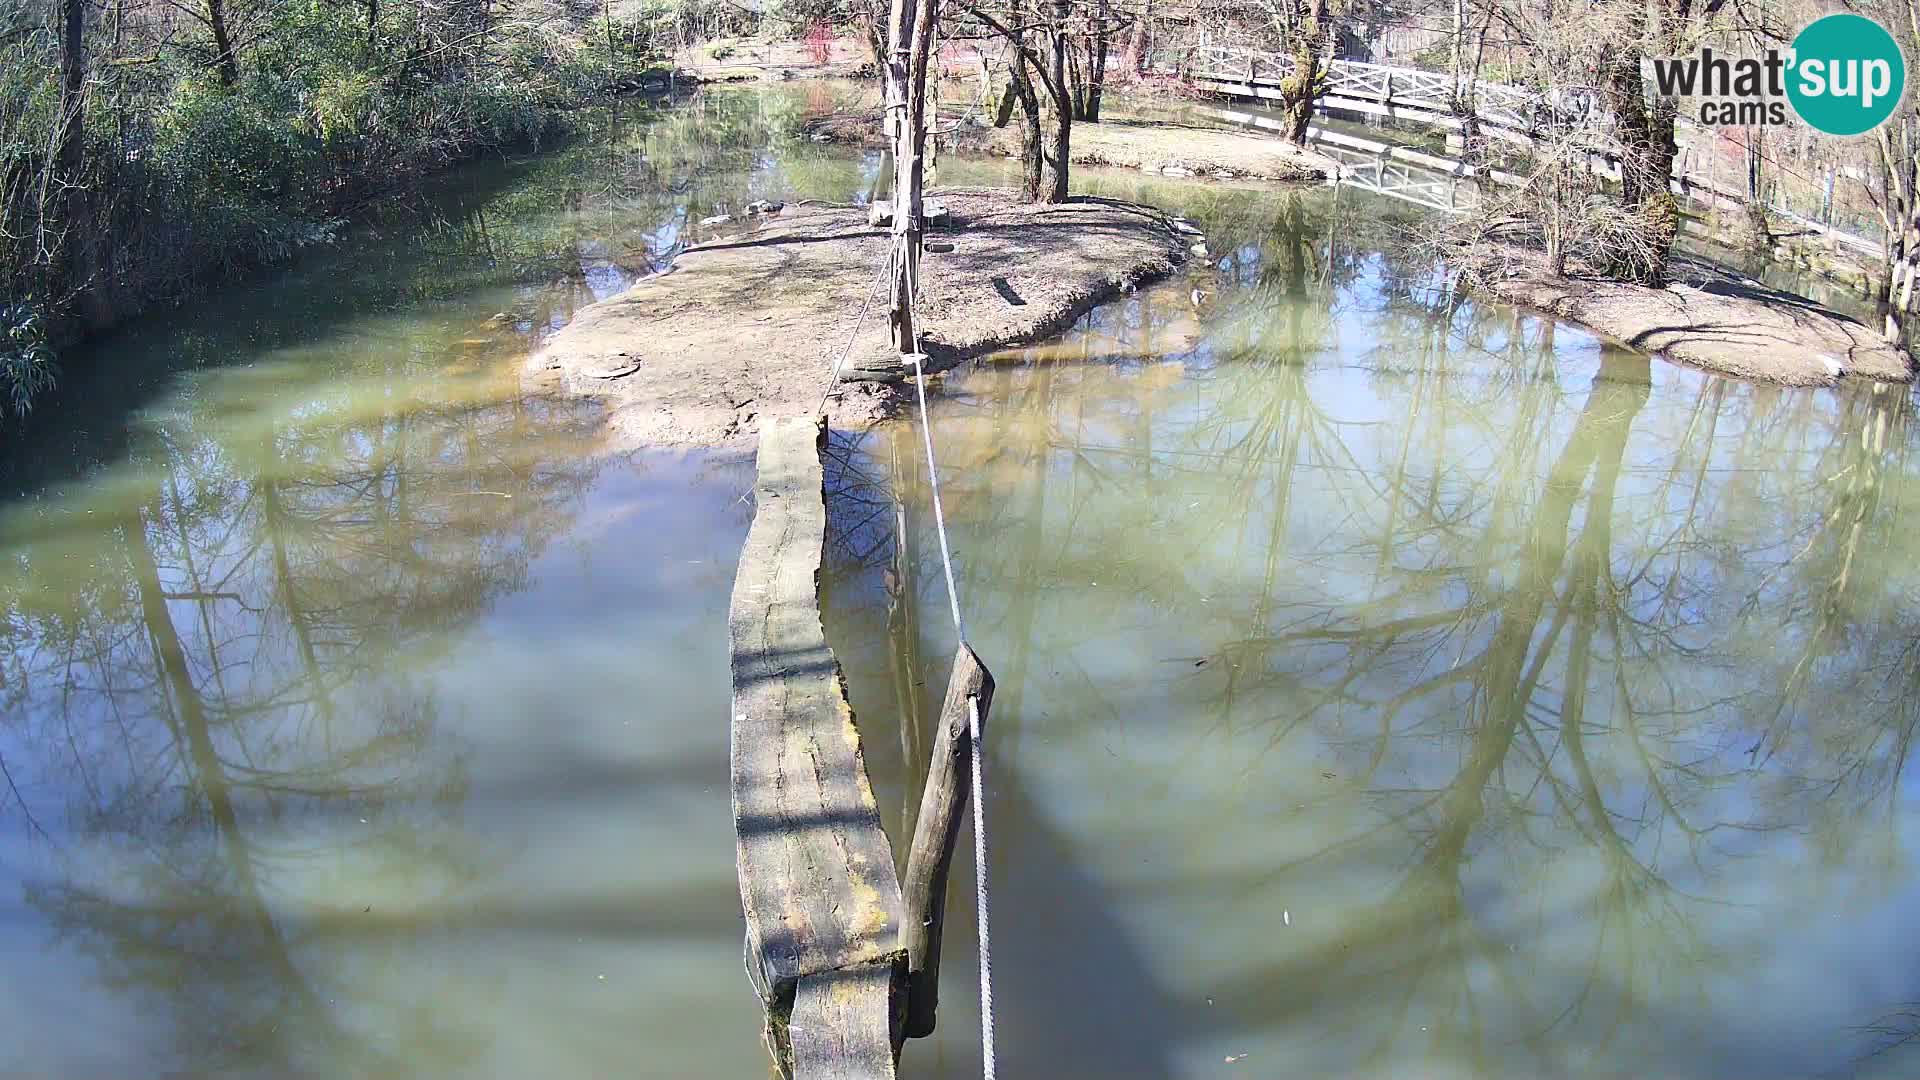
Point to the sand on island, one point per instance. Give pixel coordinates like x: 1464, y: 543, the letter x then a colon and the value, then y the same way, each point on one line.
x: 1712, y: 318
x: 749, y: 323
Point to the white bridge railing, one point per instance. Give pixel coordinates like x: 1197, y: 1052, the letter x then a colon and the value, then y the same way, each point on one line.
x: 1510, y: 113
x: 1409, y: 88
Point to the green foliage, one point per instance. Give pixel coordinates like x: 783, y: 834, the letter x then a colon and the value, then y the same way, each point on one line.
x: 234, y: 144
x: 181, y: 179
x: 26, y: 360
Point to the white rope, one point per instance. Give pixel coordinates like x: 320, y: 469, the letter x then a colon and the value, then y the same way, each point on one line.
x: 980, y: 900
x: 833, y: 375
x: 980, y: 896
x: 933, y: 481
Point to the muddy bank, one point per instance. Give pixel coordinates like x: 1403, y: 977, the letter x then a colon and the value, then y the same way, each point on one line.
x: 1711, y: 318
x: 1167, y: 149
x: 749, y: 324
x: 1177, y: 150
x: 741, y: 60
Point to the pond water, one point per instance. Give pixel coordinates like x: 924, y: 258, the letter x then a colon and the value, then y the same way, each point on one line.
x: 351, y: 697
x: 1389, y: 685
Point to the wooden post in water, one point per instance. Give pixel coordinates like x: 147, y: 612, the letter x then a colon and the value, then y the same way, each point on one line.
x: 949, y: 778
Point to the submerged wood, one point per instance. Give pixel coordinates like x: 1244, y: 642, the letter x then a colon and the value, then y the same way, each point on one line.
x: 817, y: 884
x: 949, y: 777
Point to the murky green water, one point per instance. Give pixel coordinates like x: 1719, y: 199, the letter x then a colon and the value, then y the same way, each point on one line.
x: 1396, y: 689
x: 359, y: 714
x: 1387, y: 687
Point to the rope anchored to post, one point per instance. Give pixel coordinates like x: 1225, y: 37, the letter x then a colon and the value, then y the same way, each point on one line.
x: 962, y: 717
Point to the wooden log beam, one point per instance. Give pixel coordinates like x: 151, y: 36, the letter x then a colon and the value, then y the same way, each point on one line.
x: 949, y: 777
x: 841, y: 1025
x: 817, y: 884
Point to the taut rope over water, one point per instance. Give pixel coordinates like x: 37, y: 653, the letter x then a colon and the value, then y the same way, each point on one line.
x: 978, y: 762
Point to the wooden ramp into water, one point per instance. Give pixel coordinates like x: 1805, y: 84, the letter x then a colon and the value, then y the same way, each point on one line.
x: 847, y: 966
x: 817, y: 881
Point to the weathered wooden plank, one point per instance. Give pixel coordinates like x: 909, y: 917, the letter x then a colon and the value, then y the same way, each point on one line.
x: 949, y: 776
x: 841, y: 1025
x: 817, y: 882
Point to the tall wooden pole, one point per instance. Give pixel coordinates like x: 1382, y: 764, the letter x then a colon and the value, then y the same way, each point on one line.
x: 910, y: 44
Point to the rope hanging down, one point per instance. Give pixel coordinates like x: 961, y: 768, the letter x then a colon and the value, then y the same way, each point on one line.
x: 833, y: 374
x: 973, y: 710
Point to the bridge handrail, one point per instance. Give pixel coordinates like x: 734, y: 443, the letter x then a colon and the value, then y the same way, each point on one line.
x: 1386, y: 80
x: 1502, y: 105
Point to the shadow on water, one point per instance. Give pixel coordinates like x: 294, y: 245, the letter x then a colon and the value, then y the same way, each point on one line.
x: 1058, y: 1011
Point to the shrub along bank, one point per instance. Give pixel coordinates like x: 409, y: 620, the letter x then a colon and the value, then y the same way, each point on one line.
x: 150, y: 148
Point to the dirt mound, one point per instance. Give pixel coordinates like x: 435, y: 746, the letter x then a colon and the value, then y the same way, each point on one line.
x: 1713, y: 318
x: 750, y: 323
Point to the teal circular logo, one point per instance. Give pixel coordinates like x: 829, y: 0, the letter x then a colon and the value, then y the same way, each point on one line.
x: 1845, y: 74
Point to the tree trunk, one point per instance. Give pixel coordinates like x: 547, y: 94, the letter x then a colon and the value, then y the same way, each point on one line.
x: 876, y: 41
x: 1895, y: 292
x: 73, y: 91
x: 1900, y: 175
x: 1077, y: 79
x: 1059, y: 155
x: 1097, y: 80
x: 1003, y: 108
x: 1030, y: 125
x: 1059, y: 161
x: 224, y: 60
x: 1139, y: 43
x: 1755, y: 234
x: 910, y: 43
x: 1647, y: 148
x: 896, y: 70
x: 79, y: 243
x: 1299, y: 89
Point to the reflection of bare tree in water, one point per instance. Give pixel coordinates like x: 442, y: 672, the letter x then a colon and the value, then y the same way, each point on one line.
x: 236, y: 708
x: 1562, y: 639
x: 1574, y: 647
x: 1506, y: 684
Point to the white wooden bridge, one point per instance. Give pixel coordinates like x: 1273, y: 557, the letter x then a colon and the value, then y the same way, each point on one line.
x: 1374, y: 89
x: 1512, y: 114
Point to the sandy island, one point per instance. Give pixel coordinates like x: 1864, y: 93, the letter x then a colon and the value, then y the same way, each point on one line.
x: 749, y: 324
x: 1713, y: 318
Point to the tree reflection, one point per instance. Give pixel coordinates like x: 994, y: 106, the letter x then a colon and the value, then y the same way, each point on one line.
x: 1530, y: 663
x: 229, y: 706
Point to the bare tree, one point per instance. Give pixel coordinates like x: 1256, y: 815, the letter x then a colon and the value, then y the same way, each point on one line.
x: 1898, y: 145
x: 1558, y: 208
x: 1018, y: 26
